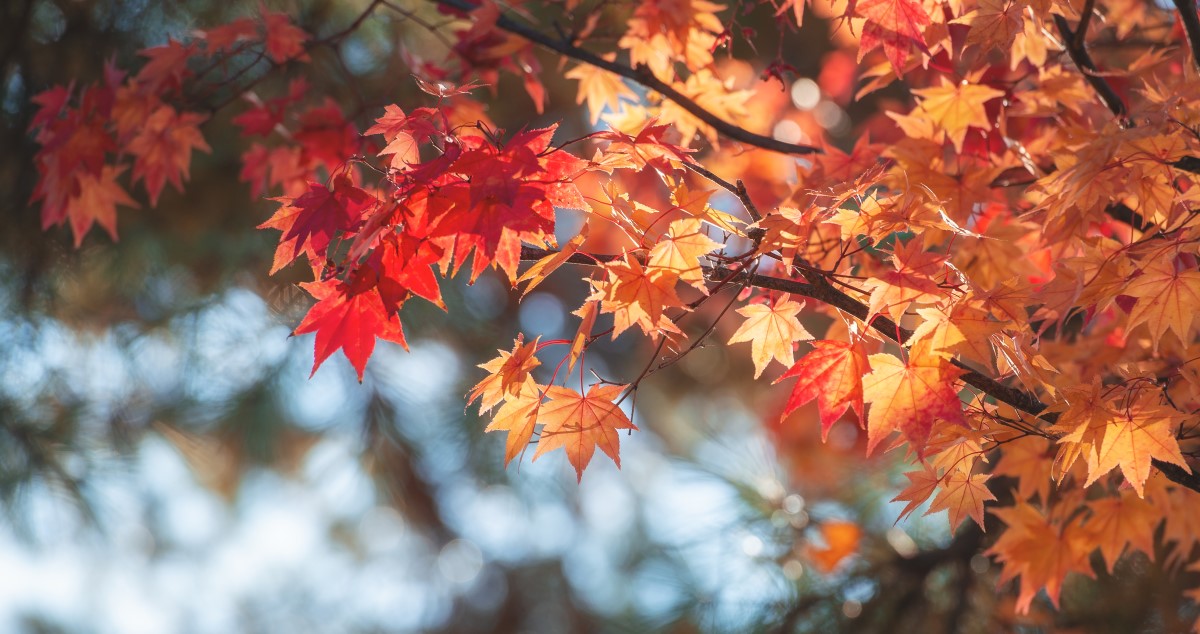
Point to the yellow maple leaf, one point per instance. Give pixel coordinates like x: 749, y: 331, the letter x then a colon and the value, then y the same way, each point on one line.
x: 600, y: 88
x: 518, y: 416
x: 772, y: 330
x: 507, y: 373
x: 681, y: 249
x: 956, y: 107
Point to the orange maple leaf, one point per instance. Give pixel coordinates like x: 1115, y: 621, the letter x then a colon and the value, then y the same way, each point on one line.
x: 772, y: 330
x: 1041, y: 553
x: 507, y: 373
x: 1141, y: 433
x: 1168, y: 299
x: 910, y: 397
x: 579, y: 423
x: 681, y: 249
x: 841, y: 541
x: 963, y: 495
x: 637, y: 295
x: 97, y: 202
x: 911, y: 281
x: 921, y: 485
x: 831, y: 373
x: 1117, y: 522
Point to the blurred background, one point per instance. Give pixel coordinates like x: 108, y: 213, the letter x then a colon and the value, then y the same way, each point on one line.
x: 167, y: 464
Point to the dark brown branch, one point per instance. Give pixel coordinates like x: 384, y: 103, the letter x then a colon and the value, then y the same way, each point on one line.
x: 818, y: 287
x: 1191, y: 26
x: 639, y: 74
x: 1084, y: 63
x: 1085, y: 18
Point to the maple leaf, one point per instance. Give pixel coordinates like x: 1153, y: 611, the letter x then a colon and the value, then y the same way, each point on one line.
x: 921, y: 485
x: 955, y: 107
x: 547, y: 265
x: 285, y: 41
x: 1124, y: 520
x: 349, y: 316
x: 518, y: 416
x: 647, y: 149
x: 163, y: 149
x: 507, y: 373
x: 995, y: 24
x: 1025, y: 460
x: 310, y: 221
x: 223, y: 38
x: 587, y: 320
x: 963, y: 495
x: 772, y: 330
x: 831, y: 373
x: 579, y: 423
x: 637, y: 295
x: 909, y: 397
x: 600, y: 88
x: 1168, y: 299
x: 707, y: 91
x: 841, y: 541
x: 1140, y: 434
x: 505, y: 201
x: 167, y: 68
x: 1041, y: 553
x: 681, y: 249
x: 911, y: 281
x: 96, y: 202
x: 894, y: 24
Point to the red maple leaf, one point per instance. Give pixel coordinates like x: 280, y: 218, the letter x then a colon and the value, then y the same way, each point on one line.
x: 163, y: 149
x: 349, y: 316
x: 285, y: 41
x: 309, y: 222
x: 832, y: 373
x: 894, y: 24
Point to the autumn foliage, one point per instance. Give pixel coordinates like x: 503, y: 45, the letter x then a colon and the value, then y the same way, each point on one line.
x: 999, y: 280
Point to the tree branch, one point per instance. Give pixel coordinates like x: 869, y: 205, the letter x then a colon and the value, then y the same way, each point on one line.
x: 818, y: 287
x: 1191, y: 26
x: 1078, y: 53
x: 639, y: 74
